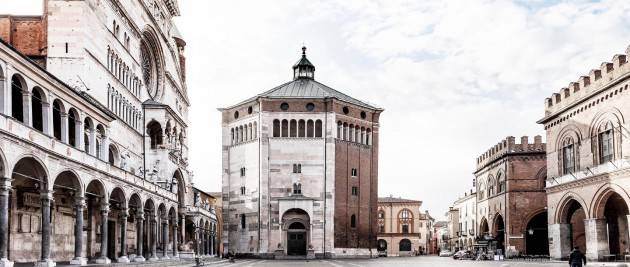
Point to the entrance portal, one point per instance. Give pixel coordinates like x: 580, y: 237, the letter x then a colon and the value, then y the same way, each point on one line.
x: 296, y: 239
x: 499, y: 233
x: 296, y: 226
x: 536, y: 242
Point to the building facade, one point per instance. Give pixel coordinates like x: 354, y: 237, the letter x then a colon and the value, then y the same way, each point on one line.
x: 425, y: 232
x: 93, y: 148
x: 587, y: 163
x: 399, y: 227
x: 300, y: 171
x: 510, y: 184
x: 452, y: 225
x: 466, y: 207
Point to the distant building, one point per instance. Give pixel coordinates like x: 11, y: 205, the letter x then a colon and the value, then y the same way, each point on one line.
x: 440, y: 236
x: 467, y: 233
x: 588, y: 159
x: 398, y: 228
x: 218, y: 210
x: 452, y: 217
x: 300, y: 172
x: 425, y: 228
x: 510, y: 182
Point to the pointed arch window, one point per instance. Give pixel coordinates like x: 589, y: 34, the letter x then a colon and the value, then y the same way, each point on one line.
x: 568, y: 156
x: 606, y: 142
x: 297, y: 188
x: 500, y: 184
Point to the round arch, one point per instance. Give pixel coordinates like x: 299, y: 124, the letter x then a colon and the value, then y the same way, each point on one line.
x: 178, y: 186
x: 602, y: 196
x: 564, y: 206
x: 30, y: 166
x: 69, y: 179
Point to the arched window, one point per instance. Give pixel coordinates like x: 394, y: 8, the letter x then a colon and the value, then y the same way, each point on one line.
x: 87, y: 131
x: 245, y: 133
x: 276, y: 128
x: 232, y: 132
x: 301, y: 128
x: 353, y: 221
x: 240, y: 134
x: 17, y: 106
x: 363, y: 135
x: 490, y: 187
x: 345, y: 131
x: 339, y: 129
x: 100, y: 135
x: 297, y: 189
x: 155, y: 134
x: 293, y: 128
x: 255, y: 129
x: 351, y: 133
x: 405, y: 220
x: 250, y: 132
x: 37, y: 109
x: 309, y: 128
x: 113, y: 155
x: 568, y: 156
x: 606, y: 143
x: 368, y: 137
x: 500, y: 183
x: 356, y: 134
x: 73, y: 118
x: 318, y: 128
x: 481, y: 192
x: 57, y: 111
x: 285, y: 128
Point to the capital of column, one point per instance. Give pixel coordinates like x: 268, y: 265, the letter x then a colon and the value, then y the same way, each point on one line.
x: 140, y: 215
x: 79, y: 201
x: 46, y: 195
x: 124, y: 213
x: 105, y: 208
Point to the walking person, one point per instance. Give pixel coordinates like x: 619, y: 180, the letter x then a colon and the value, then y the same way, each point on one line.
x: 577, y: 258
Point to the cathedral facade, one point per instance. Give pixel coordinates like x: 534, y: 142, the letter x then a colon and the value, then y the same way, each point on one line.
x: 93, y: 148
x: 300, y: 172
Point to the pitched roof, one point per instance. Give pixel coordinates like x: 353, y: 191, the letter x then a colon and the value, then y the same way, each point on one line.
x: 396, y: 200
x: 309, y: 88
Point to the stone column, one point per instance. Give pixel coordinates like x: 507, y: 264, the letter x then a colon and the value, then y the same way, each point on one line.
x: 165, y: 238
x: 104, y: 233
x: 209, y: 243
x: 46, y: 118
x: 105, y: 146
x: 153, y: 236
x: 139, y: 236
x: 64, y: 127
x: 175, y: 239
x: 123, y: 237
x: 5, y: 187
x: 45, y: 261
x: 596, y: 232
x: 78, y: 135
x: 26, y: 107
x: 196, y: 236
x: 79, y: 204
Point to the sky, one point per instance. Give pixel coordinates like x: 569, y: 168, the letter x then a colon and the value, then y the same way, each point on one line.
x: 454, y: 77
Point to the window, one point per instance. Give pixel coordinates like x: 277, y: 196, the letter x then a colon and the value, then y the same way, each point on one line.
x: 310, y: 106
x: 284, y: 106
x: 353, y: 172
x: 276, y: 128
x: 318, y: 128
x: 568, y: 159
x: 242, y: 190
x: 155, y: 134
x: 381, y: 214
x: 243, y: 224
x: 57, y: 111
x: 297, y: 168
x: 297, y: 189
x: 242, y: 171
x: 355, y: 191
x: 301, y: 128
x: 606, y: 146
x: 353, y: 221
x: 405, y: 229
x: 381, y: 228
x: 285, y: 128
x: 309, y: 129
x: 293, y: 128
x: 501, y: 187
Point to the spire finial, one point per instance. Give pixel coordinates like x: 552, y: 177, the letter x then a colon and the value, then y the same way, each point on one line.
x: 304, y: 50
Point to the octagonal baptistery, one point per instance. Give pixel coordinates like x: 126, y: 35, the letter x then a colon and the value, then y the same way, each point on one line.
x: 300, y: 171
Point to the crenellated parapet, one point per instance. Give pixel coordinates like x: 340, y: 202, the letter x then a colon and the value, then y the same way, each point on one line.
x: 509, y: 145
x: 607, y: 73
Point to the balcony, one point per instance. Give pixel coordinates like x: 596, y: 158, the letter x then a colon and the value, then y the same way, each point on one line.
x: 608, y: 167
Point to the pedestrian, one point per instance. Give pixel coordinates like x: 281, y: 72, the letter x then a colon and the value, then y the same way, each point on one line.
x: 576, y: 258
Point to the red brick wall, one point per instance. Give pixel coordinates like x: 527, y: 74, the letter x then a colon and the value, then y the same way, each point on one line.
x: 25, y: 33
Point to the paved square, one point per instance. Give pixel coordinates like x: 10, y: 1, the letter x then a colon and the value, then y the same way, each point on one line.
x: 429, y: 261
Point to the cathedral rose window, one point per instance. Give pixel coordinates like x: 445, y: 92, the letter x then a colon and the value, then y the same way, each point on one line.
x: 149, y: 69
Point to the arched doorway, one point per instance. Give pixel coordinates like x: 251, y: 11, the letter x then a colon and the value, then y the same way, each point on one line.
x: 574, y: 215
x: 68, y: 210
x: 615, y: 211
x: 296, y: 224
x: 483, y: 227
x: 404, y: 245
x: 382, y: 245
x: 29, y: 206
x: 499, y: 232
x: 536, y: 235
